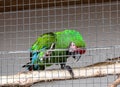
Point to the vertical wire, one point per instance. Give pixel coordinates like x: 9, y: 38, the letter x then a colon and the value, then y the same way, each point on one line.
x: 5, y: 43
x: 114, y: 32
x: 36, y: 23
x: 62, y: 26
x: 75, y: 3
x: 82, y: 20
x: 79, y: 82
x: 89, y: 20
x: 16, y: 31
x: 117, y: 18
x: 10, y: 13
x: 23, y: 16
x: 102, y: 4
x: 118, y: 21
x: 96, y: 35
x: 10, y: 19
x: 68, y: 8
x: 3, y: 33
x: 48, y: 15
x: 42, y: 5
x: 75, y: 24
x: 29, y: 18
x: 62, y: 12
x: 48, y: 22
x: 36, y: 18
x: 55, y: 16
x: 109, y: 11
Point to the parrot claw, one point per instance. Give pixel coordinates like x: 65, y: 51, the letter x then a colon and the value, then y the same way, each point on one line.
x: 48, y: 53
x: 68, y: 68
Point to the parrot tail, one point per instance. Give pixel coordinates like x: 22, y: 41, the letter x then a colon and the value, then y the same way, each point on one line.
x: 29, y: 67
x: 26, y: 65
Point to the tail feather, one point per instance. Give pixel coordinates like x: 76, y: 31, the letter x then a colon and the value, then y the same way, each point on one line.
x: 26, y: 65
x: 33, y: 64
x: 29, y: 66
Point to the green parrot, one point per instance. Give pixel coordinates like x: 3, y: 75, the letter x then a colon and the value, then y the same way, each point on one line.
x: 54, y: 48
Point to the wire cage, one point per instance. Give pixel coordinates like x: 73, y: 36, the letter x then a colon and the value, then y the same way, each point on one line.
x: 22, y: 21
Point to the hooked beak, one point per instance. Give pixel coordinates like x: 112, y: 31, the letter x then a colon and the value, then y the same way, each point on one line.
x: 75, y: 51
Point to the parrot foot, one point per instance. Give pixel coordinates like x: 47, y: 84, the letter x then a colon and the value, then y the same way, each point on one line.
x: 77, y: 57
x: 63, y: 66
x: 48, y: 53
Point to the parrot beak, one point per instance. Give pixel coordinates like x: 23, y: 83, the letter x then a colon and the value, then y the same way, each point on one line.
x: 75, y: 51
x: 78, y: 53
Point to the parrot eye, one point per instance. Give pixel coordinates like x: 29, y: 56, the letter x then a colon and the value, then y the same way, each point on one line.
x: 72, y: 47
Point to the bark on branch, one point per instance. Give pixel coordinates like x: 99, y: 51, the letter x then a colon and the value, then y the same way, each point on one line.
x: 31, y: 77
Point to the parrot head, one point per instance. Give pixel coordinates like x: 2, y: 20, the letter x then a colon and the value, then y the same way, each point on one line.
x: 73, y: 48
x: 75, y: 51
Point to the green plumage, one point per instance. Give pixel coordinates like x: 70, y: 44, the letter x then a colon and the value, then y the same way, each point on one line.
x: 44, y: 40
x: 62, y: 40
x: 65, y: 37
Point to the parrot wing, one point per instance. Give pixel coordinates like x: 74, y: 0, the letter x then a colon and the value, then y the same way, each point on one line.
x: 38, y: 50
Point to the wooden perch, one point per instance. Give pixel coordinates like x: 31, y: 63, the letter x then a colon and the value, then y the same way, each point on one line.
x: 31, y: 77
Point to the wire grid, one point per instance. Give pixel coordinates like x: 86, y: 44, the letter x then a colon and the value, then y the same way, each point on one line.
x: 99, y: 24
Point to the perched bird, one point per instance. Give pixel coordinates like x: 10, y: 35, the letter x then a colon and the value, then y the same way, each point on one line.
x: 55, y: 47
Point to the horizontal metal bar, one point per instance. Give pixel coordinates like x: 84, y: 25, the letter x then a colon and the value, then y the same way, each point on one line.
x: 28, y: 51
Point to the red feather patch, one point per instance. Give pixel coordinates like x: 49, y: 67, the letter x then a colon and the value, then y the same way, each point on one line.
x: 80, y: 50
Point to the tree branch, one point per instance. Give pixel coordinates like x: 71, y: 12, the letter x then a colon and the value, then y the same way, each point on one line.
x: 31, y: 77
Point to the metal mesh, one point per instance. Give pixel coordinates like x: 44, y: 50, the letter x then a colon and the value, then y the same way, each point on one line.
x: 21, y: 24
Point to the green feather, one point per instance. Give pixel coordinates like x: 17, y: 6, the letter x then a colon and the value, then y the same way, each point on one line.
x: 44, y: 40
x: 65, y: 37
